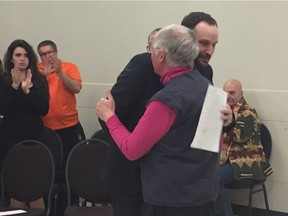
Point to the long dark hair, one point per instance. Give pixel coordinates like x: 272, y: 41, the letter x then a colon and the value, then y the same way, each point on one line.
x: 1, y: 72
x: 1, y: 67
x: 38, y: 79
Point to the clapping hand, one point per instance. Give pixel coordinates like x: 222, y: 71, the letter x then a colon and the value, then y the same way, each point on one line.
x: 17, y: 76
x: 26, y: 83
x: 58, y: 64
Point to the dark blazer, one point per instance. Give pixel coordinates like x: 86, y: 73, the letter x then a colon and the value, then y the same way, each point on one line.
x: 135, y: 85
x: 205, y: 71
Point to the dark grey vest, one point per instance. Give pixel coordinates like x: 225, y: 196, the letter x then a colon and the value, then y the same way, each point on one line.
x: 172, y: 173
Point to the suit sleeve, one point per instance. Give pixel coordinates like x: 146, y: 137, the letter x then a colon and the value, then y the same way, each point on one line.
x: 129, y: 89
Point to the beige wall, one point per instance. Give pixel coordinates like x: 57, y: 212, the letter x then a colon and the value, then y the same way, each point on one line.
x: 100, y: 37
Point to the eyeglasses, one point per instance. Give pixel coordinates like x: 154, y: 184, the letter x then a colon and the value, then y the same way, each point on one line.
x: 149, y: 48
x: 47, y: 54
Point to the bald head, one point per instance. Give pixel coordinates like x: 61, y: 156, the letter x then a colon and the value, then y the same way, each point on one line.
x: 234, y: 89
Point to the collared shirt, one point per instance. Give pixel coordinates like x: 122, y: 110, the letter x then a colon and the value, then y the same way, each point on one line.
x: 62, y: 105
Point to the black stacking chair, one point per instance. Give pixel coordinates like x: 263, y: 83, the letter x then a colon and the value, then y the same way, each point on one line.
x: 85, y: 177
x: 27, y: 175
x: 256, y: 186
x: 54, y: 143
x: 100, y: 134
x: 80, y: 132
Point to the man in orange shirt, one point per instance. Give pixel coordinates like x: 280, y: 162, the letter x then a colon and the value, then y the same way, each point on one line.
x: 64, y: 82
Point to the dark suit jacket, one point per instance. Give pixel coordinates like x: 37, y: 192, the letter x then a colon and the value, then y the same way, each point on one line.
x: 135, y: 85
x: 205, y: 71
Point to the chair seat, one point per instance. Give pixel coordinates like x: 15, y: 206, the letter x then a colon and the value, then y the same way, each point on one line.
x: 244, y: 183
x: 88, y: 211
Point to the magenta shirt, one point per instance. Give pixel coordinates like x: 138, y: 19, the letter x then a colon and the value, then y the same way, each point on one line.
x: 153, y: 125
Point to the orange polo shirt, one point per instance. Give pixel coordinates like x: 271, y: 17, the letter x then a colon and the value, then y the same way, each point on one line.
x: 62, y: 105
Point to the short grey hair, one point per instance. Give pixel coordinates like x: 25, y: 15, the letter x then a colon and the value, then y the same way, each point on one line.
x: 179, y: 45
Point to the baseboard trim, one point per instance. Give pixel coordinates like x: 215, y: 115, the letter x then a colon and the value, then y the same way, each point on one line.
x: 242, y: 211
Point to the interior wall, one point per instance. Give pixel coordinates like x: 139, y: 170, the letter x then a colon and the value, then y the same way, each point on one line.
x: 101, y: 37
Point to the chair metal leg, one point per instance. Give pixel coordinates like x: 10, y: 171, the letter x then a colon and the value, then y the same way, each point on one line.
x: 250, y: 201
x: 265, y: 196
x: 251, y: 191
x: 55, y: 205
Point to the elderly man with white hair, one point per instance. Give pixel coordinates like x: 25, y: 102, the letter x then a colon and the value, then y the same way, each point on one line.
x: 176, y: 179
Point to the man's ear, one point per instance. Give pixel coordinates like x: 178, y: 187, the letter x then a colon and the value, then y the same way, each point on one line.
x: 161, y: 54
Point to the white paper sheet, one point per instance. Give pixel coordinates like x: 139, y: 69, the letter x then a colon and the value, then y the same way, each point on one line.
x: 210, y: 124
x: 12, y: 212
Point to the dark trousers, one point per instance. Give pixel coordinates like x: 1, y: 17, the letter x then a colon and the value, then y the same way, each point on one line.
x: 127, y: 204
x: 223, y: 205
x: 206, y: 209
x: 69, y: 138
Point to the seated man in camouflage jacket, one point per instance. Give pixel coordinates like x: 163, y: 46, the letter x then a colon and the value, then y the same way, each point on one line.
x: 241, y: 149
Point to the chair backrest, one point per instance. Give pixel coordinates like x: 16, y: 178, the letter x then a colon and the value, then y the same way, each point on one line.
x: 54, y: 143
x: 266, y: 140
x: 85, y: 171
x: 80, y: 132
x: 28, y: 172
x: 100, y: 134
x: 1, y: 117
